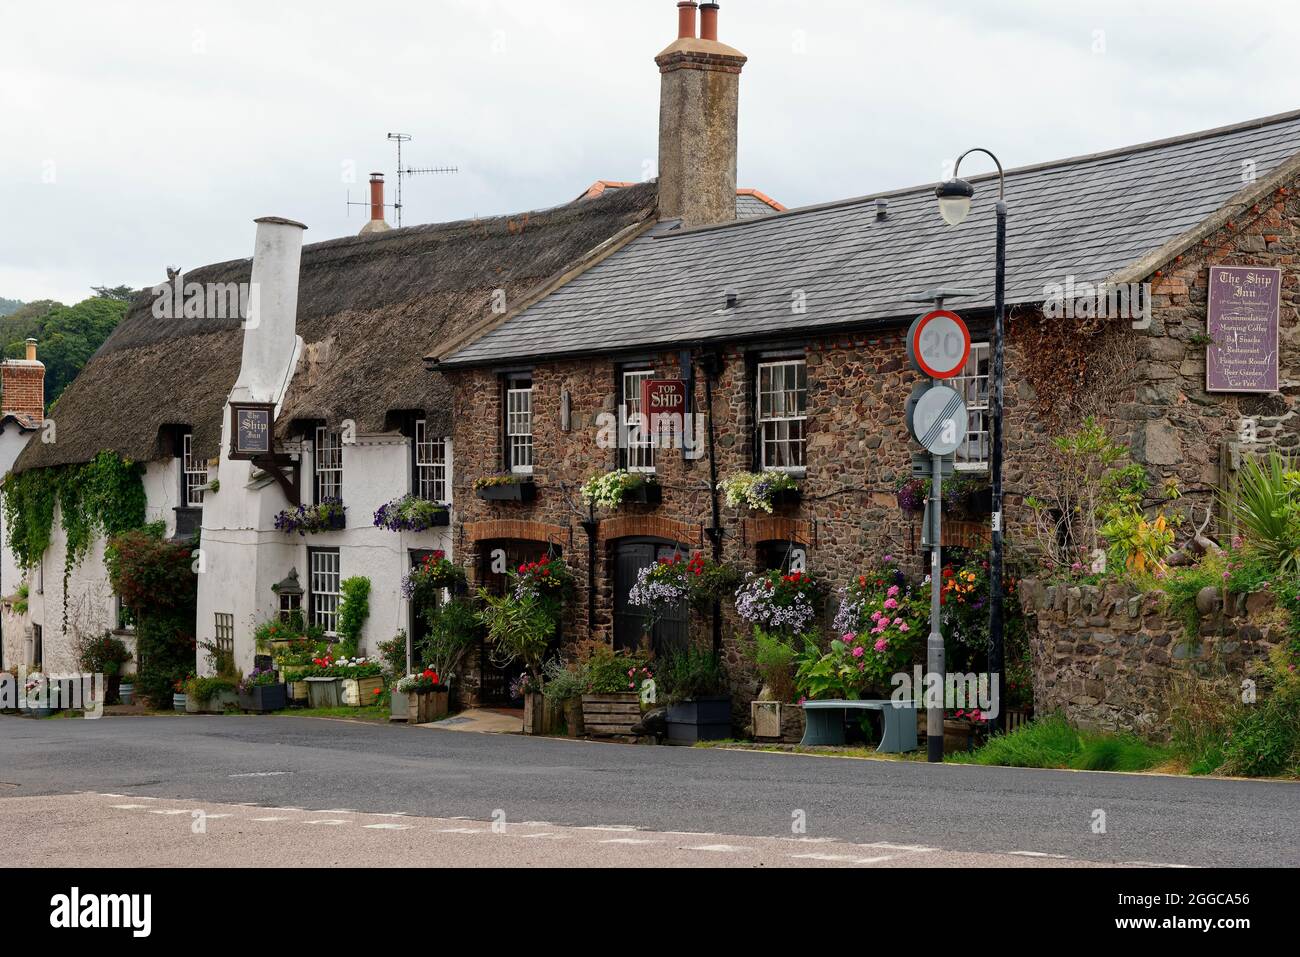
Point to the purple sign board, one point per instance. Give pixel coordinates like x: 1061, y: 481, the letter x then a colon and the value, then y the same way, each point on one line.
x: 1242, y: 319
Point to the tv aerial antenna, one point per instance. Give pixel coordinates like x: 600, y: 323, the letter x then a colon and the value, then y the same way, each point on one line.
x: 404, y: 171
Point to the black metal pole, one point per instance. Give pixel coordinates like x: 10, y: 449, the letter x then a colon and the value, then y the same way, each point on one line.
x: 996, y: 656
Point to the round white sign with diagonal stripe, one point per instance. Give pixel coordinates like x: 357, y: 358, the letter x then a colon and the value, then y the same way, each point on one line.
x: 939, y: 420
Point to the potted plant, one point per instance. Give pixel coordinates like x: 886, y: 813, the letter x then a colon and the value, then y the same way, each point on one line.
x: 505, y: 488
x: 262, y: 691
x: 179, y: 699
x: 454, y: 629
x: 775, y: 715
x: 760, y: 491
x: 126, y: 693
x: 427, y: 697
x: 361, y: 681
x: 694, y: 684
x: 612, y: 692
x: 563, y: 688
x: 329, y: 515
x: 105, y: 655
x: 411, y: 514
x: 38, y: 696
x: 542, y: 715
x: 673, y: 579
x: 612, y: 489
x: 912, y: 495
x: 211, y: 695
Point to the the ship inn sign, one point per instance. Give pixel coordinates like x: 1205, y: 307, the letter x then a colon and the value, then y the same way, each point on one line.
x: 1242, y: 319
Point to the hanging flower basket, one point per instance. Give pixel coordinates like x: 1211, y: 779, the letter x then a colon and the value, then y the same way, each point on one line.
x: 760, y: 491
x: 612, y: 489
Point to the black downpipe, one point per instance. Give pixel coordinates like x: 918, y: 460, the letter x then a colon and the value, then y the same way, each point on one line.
x: 711, y: 367
x: 591, y: 526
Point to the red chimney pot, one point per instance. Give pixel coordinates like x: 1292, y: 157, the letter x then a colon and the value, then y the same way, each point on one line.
x: 376, y: 196
x: 709, y: 21
x: 686, y: 20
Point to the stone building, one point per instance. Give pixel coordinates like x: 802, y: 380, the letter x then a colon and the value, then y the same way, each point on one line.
x: 788, y: 332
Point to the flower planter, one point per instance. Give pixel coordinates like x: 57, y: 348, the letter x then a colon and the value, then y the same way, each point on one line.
x: 573, y: 725
x: 265, y: 698
x: 605, y: 715
x: 425, y: 706
x: 785, y: 497
x: 179, y: 703
x: 958, y: 735
x: 126, y: 693
x: 397, y: 706
x: 700, y: 719
x: 39, y: 712
x: 777, y: 721
x: 508, y: 492
x: 324, y: 692
x: 647, y: 493
x: 299, y: 696
x: 541, y: 714
x: 360, y: 692
x: 220, y: 702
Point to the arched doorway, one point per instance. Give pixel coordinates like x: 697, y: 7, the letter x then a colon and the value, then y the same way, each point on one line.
x: 496, y: 558
x: 627, y: 557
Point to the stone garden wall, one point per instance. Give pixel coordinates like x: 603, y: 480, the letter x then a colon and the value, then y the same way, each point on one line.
x: 1103, y: 655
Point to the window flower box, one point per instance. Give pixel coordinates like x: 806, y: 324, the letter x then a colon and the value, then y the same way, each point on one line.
x: 327, y: 516
x: 411, y: 514
x: 505, y: 488
x: 760, y: 491
x: 621, y: 487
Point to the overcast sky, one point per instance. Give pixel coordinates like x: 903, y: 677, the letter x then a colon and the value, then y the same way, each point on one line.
x: 137, y: 135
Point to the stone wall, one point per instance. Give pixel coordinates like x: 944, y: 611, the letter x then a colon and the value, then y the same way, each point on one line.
x: 1103, y: 656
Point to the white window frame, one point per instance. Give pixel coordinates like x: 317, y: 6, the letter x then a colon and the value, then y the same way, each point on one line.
x: 638, y: 441
x: 327, y: 464
x: 973, y: 386
x: 324, y: 577
x: 430, y: 464
x: 774, y: 431
x: 194, y: 474
x: 519, y: 427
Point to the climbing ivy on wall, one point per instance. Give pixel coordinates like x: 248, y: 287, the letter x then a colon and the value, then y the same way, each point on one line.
x: 104, y: 496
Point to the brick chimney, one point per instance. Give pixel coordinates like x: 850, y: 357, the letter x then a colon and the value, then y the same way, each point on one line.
x: 22, y: 387
x: 377, y: 223
x: 698, y: 102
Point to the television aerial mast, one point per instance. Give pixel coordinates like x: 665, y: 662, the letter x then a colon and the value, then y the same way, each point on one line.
x: 399, y: 139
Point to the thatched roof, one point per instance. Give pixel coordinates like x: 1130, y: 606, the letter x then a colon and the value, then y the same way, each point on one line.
x: 369, y: 309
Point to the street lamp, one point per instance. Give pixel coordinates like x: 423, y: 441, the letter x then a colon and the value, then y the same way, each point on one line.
x: 954, y: 203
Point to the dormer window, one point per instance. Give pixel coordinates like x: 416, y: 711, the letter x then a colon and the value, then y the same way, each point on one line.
x: 328, y: 464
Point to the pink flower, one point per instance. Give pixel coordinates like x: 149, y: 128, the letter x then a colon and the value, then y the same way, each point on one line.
x: 848, y: 636
x: 875, y: 616
x: 898, y: 621
x: 891, y: 603
x: 903, y: 627
x: 893, y: 590
x: 881, y: 644
x: 858, y: 651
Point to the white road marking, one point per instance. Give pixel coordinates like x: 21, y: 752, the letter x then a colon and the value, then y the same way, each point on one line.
x: 461, y: 830
x: 808, y: 840
x: 913, y: 848
x: 1059, y: 857
x: 213, y: 817
x: 105, y: 794
x: 715, y: 848
x: 331, y: 821
x: 128, y: 807
x: 1152, y: 864
x: 628, y: 840
x: 392, y: 813
x: 183, y: 810
x: 549, y: 835
x: 607, y: 827
x: 258, y: 774
x: 843, y: 858
x: 537, y: 824
x: 388, y: 827
x: 335, y: 810
x: 270, y: 819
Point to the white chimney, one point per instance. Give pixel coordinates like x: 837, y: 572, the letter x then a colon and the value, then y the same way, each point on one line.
x: 270, y: 336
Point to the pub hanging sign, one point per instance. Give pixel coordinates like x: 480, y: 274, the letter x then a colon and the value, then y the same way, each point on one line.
x: 1242, y: 319
x: 250, y: 429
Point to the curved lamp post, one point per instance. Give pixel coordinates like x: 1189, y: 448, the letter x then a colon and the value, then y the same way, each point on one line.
x: 954, y: 204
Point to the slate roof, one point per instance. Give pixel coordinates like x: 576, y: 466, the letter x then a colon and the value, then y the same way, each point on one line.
x: 750, y: 203
x: 1089, y: 217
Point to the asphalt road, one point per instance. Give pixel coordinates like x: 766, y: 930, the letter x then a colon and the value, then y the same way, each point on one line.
x: 322, y: 764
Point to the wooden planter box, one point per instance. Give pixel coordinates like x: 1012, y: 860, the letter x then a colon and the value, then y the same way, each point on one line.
x: 397, y: 706
x: 700, y: 719
x: 777, y: 721
x: 541, y: 715
x: 425, y: 706
x: 265, y: 698
x: 360, y: 692
x: 604, y: 715
x: 324, y: 692
x: 508, y: 492
x: 573, y: 725
x: 214, y: 705
x: 958, y: 735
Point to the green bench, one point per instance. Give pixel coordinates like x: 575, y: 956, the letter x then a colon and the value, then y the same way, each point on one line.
x: 824, y: 724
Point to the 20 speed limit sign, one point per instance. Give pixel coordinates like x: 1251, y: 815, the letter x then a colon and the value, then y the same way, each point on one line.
x: 938, y: 344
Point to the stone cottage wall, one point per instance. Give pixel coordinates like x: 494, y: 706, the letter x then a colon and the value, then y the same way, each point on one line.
x: 1104, y: 656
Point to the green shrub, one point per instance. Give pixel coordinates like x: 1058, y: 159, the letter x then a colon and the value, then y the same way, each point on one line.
x: 691, y: 672
x: 1051, y: 742
x: 354, y: 609
x: 1265, y: 504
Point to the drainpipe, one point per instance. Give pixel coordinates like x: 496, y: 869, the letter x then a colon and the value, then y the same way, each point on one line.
x: 591, y: 525
x: 711, y: 365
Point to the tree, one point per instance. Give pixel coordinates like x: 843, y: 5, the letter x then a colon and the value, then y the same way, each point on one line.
x: 67, y: 335
x: 120, y: 293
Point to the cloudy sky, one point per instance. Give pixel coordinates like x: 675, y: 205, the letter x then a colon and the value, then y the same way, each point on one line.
x: 136, y: 135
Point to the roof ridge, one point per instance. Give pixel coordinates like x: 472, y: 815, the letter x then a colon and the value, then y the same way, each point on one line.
x: 1079, y: 159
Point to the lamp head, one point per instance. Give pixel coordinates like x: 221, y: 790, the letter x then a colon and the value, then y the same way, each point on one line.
x: 954, y: 200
